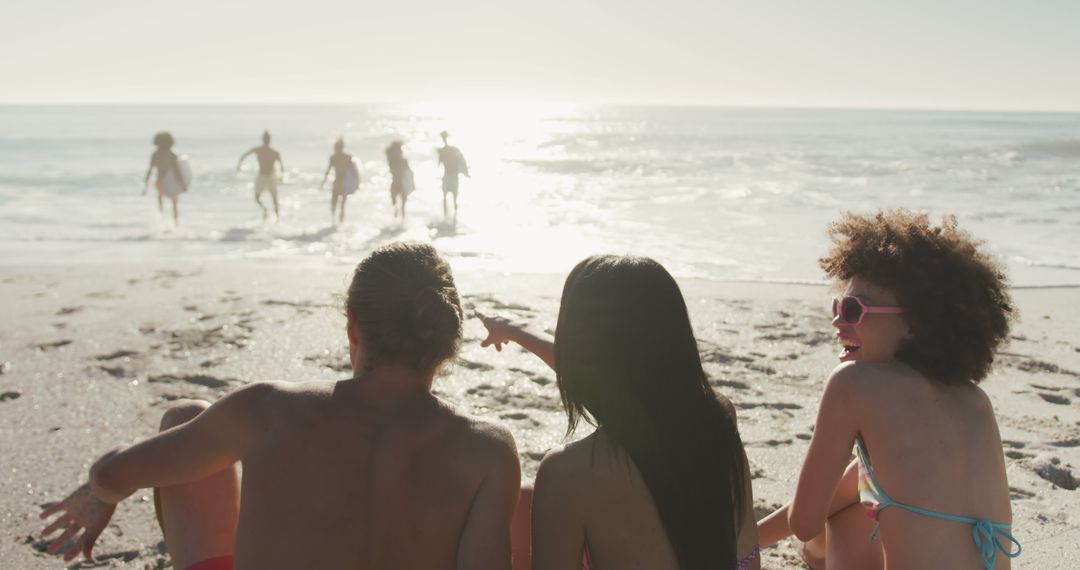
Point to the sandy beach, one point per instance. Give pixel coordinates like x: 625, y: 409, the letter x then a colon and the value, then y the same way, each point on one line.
x: 92, y: 354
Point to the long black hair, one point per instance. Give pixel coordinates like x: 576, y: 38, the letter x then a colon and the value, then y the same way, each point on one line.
x: 627, y: 361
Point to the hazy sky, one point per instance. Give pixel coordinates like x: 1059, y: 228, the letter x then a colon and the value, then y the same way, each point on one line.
x: 969, y: 54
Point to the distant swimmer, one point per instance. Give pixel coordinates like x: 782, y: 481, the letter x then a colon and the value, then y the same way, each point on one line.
x: 401, y: 177
x: 171, y: 177
x: 453, y: 163
x: 344, y: 168
x: 265, y: 179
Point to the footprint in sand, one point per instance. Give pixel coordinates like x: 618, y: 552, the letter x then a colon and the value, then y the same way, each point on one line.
x: 763, y: 508
x: 1018, y: 494
x: 816, y: 338
x: 473, y: 365
x: 532, y: 376
x: 719, y: 356
x: 336, y: 361
x: 1052, y: 470
x: 103, y: 295
x: 115, y: 371
x: 10, y: 395
x: 122, y: 353
x: 768, y: 405
x: 735, y: 384
x: 1040, y: 366
x: 69, y: 310
x: 519, y: 416
x: 47, y: 346
x: 507, y: 399
x: 1054, y: 399
x: 213, y: 362
x: 197, y: 379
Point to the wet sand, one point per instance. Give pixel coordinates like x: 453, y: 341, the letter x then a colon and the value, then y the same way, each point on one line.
x: 91, y: 355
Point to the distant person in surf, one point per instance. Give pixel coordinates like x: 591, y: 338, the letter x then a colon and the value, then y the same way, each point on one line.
x: 453, y: 163
x: 401, y: 177
x: 170, y: 180
x: 265, y: 179
x: 342, y: 163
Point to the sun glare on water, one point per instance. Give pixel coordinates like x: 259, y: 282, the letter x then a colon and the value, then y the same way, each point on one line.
x: 509, y: 211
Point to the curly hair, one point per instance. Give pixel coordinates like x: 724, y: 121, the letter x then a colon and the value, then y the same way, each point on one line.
x: 955, y: 296
x: 404, y: 299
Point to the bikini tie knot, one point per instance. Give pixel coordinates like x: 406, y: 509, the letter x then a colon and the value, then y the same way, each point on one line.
x: 987, y: 536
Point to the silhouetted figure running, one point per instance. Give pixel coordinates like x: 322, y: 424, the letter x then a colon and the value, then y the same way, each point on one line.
x: 401, y: 177
x: 341, y: 162
x: 170, y: 180
x: 453, y: 163
x: 266, y: 178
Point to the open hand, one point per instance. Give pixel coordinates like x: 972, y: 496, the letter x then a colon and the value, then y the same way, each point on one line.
x: 500, y: 331
x: 80, y: 511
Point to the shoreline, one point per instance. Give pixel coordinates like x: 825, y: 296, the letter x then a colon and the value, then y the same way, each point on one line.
x: 96, y: 352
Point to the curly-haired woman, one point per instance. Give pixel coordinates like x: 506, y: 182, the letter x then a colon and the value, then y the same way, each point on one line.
x: 922, y: 311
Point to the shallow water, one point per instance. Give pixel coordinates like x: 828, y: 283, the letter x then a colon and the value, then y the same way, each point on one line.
x: 721, y: 193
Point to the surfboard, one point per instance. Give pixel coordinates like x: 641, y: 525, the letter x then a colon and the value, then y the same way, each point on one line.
x: 170, y: 184
x: 408, y: 183
x: 350, y: 180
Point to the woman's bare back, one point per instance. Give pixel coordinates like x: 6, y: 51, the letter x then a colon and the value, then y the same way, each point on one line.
x: 622, y: 526
x: 936, y: 447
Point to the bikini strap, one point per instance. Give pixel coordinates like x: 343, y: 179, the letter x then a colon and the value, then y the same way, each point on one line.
x: 986, y: 536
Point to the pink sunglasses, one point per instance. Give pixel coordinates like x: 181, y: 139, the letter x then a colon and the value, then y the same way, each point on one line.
x: 852, y: 310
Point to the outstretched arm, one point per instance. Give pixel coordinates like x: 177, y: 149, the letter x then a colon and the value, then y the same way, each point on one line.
x: 146, y: 179
x: 501, y: 331
x: 242, y: 157
x: 327, y: 173
x: 213, y: 440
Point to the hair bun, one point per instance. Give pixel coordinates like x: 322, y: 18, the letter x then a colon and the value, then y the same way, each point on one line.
x: 435, y: 315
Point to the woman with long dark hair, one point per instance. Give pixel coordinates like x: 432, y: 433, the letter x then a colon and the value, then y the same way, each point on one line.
x: 663, y: 482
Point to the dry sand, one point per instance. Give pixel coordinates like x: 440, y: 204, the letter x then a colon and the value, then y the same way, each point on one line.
x: 91, y: 355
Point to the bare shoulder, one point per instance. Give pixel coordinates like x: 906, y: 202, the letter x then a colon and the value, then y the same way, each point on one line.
x: 269, y: 399
x: 572, y: 461
x: 577, y: 470
x: 861, y: 379
x: 485, y: 440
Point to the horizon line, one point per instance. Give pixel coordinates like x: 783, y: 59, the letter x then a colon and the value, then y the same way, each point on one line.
x: 514, y: 101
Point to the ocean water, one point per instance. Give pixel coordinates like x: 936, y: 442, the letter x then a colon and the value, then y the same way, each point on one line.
x: 723, y: 193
